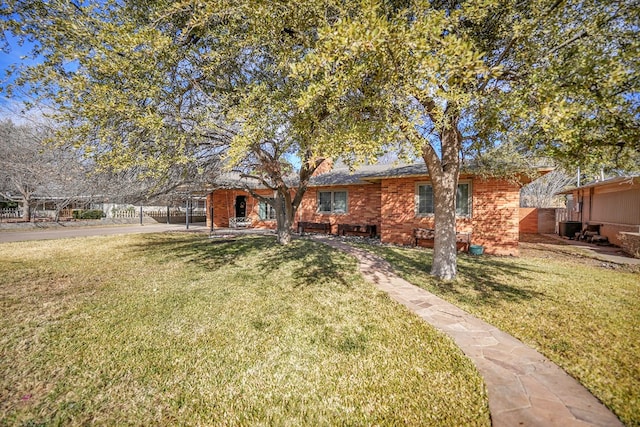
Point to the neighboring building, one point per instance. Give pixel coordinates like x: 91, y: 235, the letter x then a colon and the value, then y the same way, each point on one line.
x: 394, y: 199
x: 613, y: 205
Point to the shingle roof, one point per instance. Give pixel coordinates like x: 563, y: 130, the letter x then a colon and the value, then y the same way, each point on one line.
x: 236, y: 180
x: 342, y: 175
x: 373, y: 173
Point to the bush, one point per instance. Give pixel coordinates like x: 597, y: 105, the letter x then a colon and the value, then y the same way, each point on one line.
x: 88, y: 214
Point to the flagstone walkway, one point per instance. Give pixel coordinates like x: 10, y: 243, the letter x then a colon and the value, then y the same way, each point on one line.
x: 524, y: 387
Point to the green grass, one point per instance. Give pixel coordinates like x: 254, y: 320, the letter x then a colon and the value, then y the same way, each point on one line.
x: 582, y: 313
x: 178, y: 329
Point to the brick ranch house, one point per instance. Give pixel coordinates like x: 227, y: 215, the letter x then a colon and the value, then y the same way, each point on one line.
x: 395, y: 199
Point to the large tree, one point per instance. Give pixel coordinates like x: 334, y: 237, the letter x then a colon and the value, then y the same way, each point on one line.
x: 119, y: 89
x: 148, y: 85
x: 445, y: 77
x: 273, y: 141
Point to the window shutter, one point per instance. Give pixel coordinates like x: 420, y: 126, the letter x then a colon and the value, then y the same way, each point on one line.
x: 262, y: 210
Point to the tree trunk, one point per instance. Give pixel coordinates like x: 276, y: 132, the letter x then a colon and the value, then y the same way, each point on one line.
x: 444, y: 246
x: 444, y: 174
x: 26, y: 210
x: 284, y: 217
x: 284, y: 205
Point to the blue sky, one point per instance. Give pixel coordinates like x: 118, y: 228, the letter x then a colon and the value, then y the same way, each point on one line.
x: 16, y: 52
x: 15, y: 55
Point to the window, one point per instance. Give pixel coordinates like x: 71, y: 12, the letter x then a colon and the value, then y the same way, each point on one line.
x: 332, y: 201
x: 463, y: 200
x: 425, y: 199
x: 425, y: 202
x: 266, y: 211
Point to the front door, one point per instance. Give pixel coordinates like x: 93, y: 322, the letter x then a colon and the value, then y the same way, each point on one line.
x: 241, y: 206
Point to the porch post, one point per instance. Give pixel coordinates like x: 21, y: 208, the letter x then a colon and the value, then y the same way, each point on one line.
x: 187, y: 213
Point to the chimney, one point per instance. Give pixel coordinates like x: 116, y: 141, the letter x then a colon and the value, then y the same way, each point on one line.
x: 324, y: 167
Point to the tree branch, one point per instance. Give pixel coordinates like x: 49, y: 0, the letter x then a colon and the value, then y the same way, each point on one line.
x: 260, y: 179
x: 578, y: 36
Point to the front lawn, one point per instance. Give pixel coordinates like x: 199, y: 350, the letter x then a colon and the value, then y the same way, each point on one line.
x: 582, y: 313
x: 180, y: 329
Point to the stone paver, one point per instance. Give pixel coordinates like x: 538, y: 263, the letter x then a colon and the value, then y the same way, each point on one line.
x: 524, y: 387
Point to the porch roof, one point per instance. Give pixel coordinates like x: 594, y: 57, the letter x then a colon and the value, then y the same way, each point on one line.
x: 623, y: 182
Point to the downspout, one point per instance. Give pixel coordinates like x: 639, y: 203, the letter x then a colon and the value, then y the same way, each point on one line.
x: 591, y: 192
x: 578, y: 176
x: 581, y: 204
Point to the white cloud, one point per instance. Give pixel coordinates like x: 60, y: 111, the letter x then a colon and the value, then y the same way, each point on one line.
x: 15, y: 110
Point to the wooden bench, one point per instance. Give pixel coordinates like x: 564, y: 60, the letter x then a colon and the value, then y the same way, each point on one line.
x: 357, y: 229
x: 318, y: 227
x: 463, y: 239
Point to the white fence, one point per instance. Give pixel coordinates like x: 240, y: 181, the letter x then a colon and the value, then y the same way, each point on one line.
x: 125, y: 213
x: 135, y: 213
x: 562, y: 215
x: 16, y: 213
x: 10, y: 213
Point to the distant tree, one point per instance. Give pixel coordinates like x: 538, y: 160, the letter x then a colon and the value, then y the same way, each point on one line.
x: 19, y: 176
x: 543, y: 192
x: 29, y: 170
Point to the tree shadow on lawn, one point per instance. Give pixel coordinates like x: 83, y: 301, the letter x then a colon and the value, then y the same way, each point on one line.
x: 497, y: 279
x: 311, y: 263
x: 480, y: 280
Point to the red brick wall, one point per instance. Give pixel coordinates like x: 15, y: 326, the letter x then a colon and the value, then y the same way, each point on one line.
x: 209, y: 203
x: 224, y: 208
x: 537, y: 220
x: 496, y: 216
x: 363, y: 206
x: 398, y: 211
x: 612, y: 232
x: 390, y: 206
x: 493, y: 223
x: 528, y: 221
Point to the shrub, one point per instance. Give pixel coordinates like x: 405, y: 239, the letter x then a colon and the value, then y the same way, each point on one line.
x: 87, y: 214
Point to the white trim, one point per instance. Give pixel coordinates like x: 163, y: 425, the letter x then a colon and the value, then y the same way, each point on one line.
x: 332, y: 212
x: 239, y: 221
